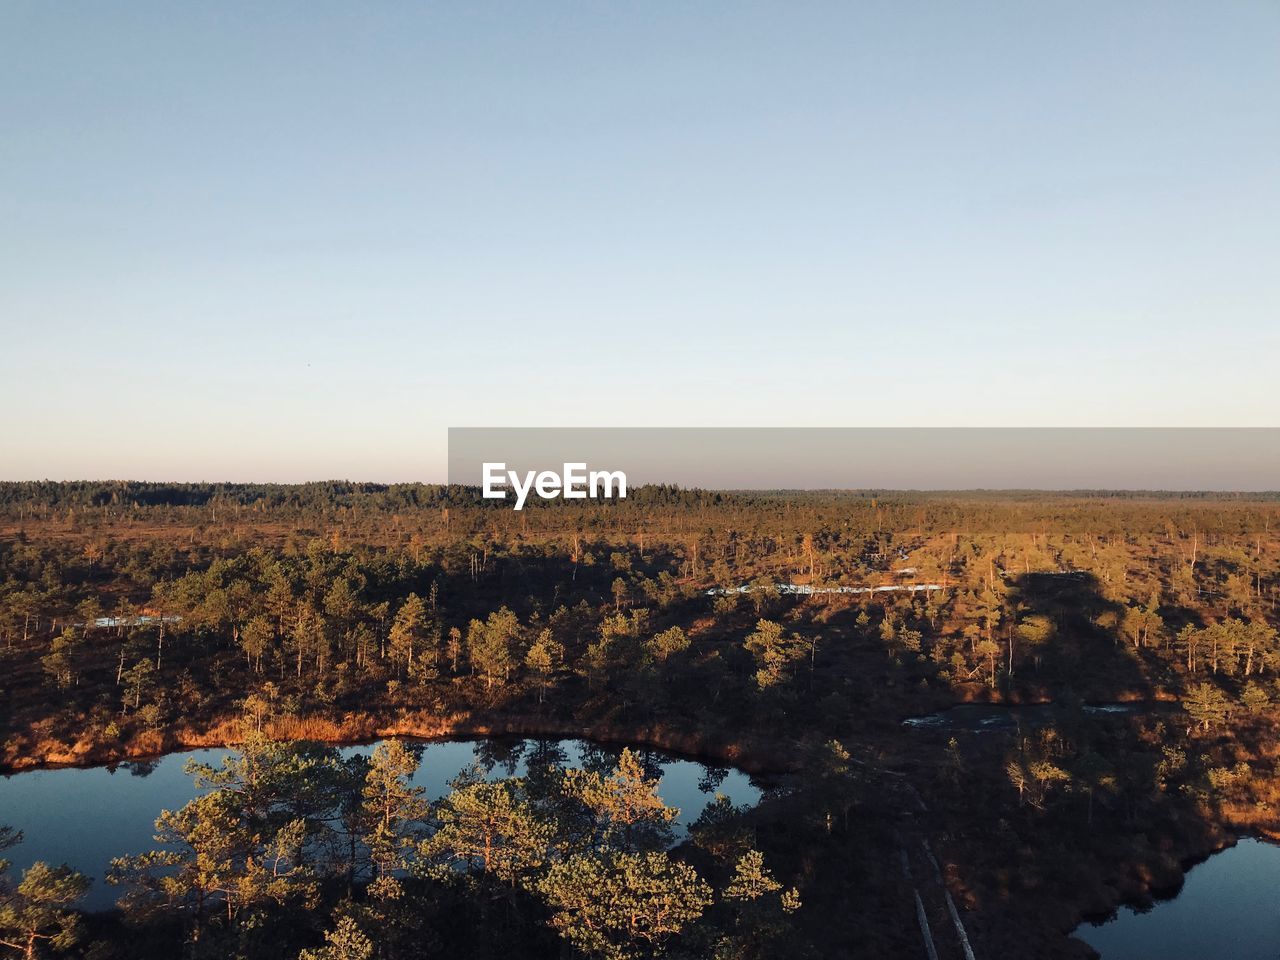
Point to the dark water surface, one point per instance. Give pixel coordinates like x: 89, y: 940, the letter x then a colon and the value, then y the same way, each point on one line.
x: 1228, y: 909
x: 995, y: 717
x: 86, y: 816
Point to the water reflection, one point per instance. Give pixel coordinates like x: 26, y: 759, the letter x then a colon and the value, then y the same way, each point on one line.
x: 1226, y: 908
x: 140, y: 768
x: 84, y: 817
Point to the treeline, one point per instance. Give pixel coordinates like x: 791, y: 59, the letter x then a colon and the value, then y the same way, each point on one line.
x: 21, y: 497
x: 450, y: 512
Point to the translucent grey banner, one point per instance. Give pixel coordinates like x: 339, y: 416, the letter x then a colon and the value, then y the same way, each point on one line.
x: 1172, y: 459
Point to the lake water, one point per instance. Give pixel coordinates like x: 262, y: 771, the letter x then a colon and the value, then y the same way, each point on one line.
x: 1228, y: 908
x: 86, y: 816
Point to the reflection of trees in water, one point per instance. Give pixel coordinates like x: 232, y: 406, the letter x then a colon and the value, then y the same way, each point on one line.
x: 722, y: 828
x: 471, y: 774
x: 499, y: 753
x: 418, y: 748
x: 597, y: 757
x: 712, y: 778
x: 139, y: 768
x: 653, y: 763
x: 603, y: 759
x: 542, y: 756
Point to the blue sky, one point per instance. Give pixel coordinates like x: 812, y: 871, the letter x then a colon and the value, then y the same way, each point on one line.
x: 299, y: 240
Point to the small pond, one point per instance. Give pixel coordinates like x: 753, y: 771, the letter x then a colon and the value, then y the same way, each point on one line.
x: 1227, y: 908
x: 86, y: 816
x: 995, y: 717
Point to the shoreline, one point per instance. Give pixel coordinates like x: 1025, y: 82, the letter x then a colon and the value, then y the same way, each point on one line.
x: 753, y: 758
x: 1136, y: 883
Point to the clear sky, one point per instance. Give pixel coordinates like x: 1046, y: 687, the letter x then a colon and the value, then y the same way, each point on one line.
x: 298, y: 240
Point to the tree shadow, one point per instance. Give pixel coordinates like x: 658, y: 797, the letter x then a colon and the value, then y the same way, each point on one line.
x: 1085, y: 656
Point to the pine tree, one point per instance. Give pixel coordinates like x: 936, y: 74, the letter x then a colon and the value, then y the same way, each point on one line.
x: 489, y: 644
x: 775, y: 652
x: 41, y: 910
x: 346, y: 941
x: 490, y: 828
x: 543, y: 659
x: 626, y: 807
x: 394, y: 809
x: 1207, y: 705
x: 406, y: 630
x: 619, y: 906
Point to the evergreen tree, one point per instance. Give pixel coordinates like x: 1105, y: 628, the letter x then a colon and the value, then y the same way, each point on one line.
x: 40, y: 910
x: 619, y: 906
x: 393, y: 807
